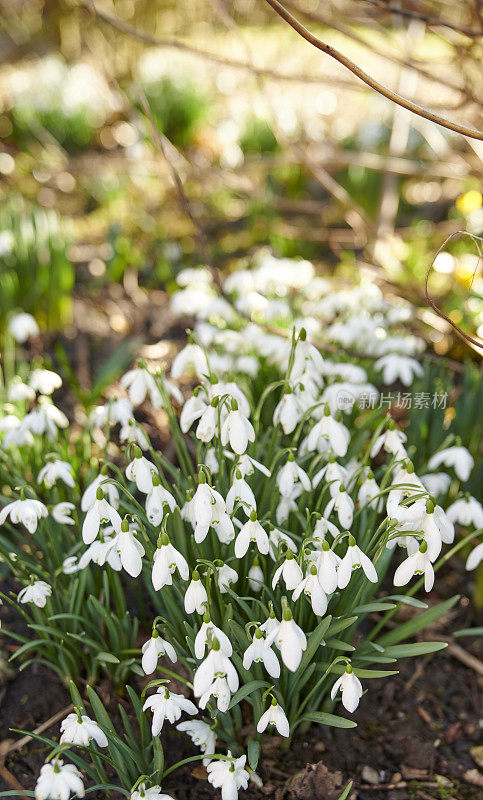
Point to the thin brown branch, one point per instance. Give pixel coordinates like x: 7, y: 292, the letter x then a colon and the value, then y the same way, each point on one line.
x: 478, y: 241
x: 427, y: 18
x: 367, y: 79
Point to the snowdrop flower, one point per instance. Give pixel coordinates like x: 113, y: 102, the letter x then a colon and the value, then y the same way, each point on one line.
x: 133, y: 433
x: 195, y: 598
x: 288, y: 412
x: 307, y: 357
x: 27, y: 512
x: 153, y: 793
x: 343, y: 503
x: 208, y: 425
x: 100, y: 512
x: 229, y: 776
x: 240, y: 492
x: 55, y: 471
x: 260, y: 653
x: 57, y: 780
x: 329, y: 429
x: 167, y: 705
x: 18, y: 392
x: 274, y: 715
x: 139, y: 383
x: 327, y: 566
x: 22, y: 326
x: 208, y: 509
x: 323, y: 527
x: 291, y: 640
x: 109, y: 489
x: 392, y: 441
x: 247, y: 465
x: 100, y: 552
x: 466, y: 511
x: 193, y: 409
x: 152, y: 649
x: 418, y: 563
x: 288, y: 504
x: 311, y: 587
x: 191, y: 356
x: 368, y: 493
x: 271, y: 625
x: 208, y: 632
x: 437, y: 528
x: 70, y: 565
x: 457, y: 457
x: 141, y: 472
x: 128, y: 548
x: 220, y: 690
x: 394, y: 366
x: 437, y: 483
x: 290, y: 475
x: 44, y: 381
x: 351, y: 689
x: 215, y: 665
x: 36, y: 593
x: 80, y: 730
x: 45, y: 419
x: 165, y: 562
x: 353, y: 559
x: 157, y: 501
x: 226, y: 576
x: 333, y: 473
x: 255, y: 576
x: 237, y: 429
x: 475, y: 557
x: 61, y: 512
x: 290, y: 571
x: 276, y: 540
x: 201, y: 734
x: 251, y: 531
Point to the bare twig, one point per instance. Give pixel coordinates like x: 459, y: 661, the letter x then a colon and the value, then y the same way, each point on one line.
x: 391, y: 8
x: 367, y: 79
x: 466, y: 658
x: 20, y: 743
x: 478, y: 241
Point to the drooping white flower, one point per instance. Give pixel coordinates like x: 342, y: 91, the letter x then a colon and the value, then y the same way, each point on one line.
x: 80, y: 730
x: 343, y: 503
x: 202, y: 735
x: 36, y: 593
x: 195, y: 598
x: 220, y: 690
x: 209, y: 509
x: 368, y: 494
x: 44, y: 381
x: 128, y: 548
x: 18, y: 391
x: 279, y: 540
x: 466, y: 511
x: 323, y: 527
x: 27, y: 512
x: 229, y: 776
x: 133, y: 433
x: 99, y: 513
x: 392, y: 441
x: 226, y: 576
x: 141, y: 471
x: 165, y: 563
x: 167, y: 705
x: 100, y: 552
x: 57, y: 780
x: 157, y: 501
x: 475, y: 557
x: 353, y: 559
x: 290, y: 571
x: 260, y: 653
x: 191, y: 356
x: 311, y: 587
x: 290, y: 475
x: 351, y: 689
x: 193, y: 409
x: 61, y: 512
x: 288, y: 504
x: 288, y: 412
x: 237, y: 429
x: 55, y: 471
x: 22, y: 326
x: 206, y: 634
x: 291, y: 640
x: 139, y: 383
x: 215, y: 665
x: 255, y: 577
x: 436, y: 483
x: 70, y: 565
x: 328, y: 429
x: 419, y: 563
x: 45, y: 418
x: 457, y: 457
x: 109, y: 490
x: 333, y: 473
x: 327, y: 566
x: 151, y: 793
x: 251, y: 531
x: 240, y: 492
x: 274, y: 715
x: 395, y: 366
x: 153, y: 649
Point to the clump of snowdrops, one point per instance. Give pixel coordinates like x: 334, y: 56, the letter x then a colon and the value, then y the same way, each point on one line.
x: 261, y: 548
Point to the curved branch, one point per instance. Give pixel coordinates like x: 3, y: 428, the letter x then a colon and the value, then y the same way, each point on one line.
x: 472, y: 133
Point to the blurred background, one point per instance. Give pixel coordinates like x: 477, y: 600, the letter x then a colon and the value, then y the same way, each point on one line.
x: 277, y: 144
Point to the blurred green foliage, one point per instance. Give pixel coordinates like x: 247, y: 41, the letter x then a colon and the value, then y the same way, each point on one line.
x: 258, y: 137
x: 178, y: 107
x: 74, y: 131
